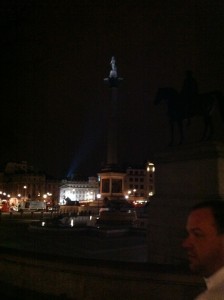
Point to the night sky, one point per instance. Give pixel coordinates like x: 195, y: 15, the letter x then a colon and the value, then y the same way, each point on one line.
x: 55, y: 55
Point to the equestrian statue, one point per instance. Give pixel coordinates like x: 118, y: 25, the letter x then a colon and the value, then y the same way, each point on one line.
x: 189, y: 103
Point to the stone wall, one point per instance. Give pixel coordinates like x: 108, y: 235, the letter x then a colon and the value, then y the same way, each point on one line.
x: 51, y: 277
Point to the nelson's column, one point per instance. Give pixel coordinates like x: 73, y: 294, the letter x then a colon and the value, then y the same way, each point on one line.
x: 111, y: 177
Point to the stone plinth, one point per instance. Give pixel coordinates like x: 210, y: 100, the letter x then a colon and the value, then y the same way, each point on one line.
x: 184, y: 176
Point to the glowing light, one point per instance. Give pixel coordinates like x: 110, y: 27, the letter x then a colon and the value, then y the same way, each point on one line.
x: 150, y: 167
x: 72, y: 223
x: 43, y: 224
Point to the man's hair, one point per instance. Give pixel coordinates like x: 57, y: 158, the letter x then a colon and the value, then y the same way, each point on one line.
x: 217, y: 209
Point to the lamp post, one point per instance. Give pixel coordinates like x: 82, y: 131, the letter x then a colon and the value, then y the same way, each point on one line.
x: 18, y: 199
x: 98, y: 199
x: 25, y: 187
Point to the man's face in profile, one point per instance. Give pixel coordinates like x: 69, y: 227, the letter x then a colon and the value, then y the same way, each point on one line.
x: 204, y: 245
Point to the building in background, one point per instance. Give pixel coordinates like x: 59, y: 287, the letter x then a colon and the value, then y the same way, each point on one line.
x: 136, y: 186
x: 74, y: 192
x: 20, y: 182
x: 140, y: 183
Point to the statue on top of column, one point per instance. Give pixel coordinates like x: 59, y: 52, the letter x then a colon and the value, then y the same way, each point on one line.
x: 113, y: 78
x: 113, y: 72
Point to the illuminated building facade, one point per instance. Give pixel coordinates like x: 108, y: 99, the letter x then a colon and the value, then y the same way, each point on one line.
x: 19, y: 182
x: 78, y: 192
x: 140, y: 183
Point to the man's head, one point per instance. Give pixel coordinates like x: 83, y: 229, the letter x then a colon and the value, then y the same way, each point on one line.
x: 205, y: 241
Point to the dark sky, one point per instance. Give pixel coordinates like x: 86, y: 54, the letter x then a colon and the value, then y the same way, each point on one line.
x: 55, y: 54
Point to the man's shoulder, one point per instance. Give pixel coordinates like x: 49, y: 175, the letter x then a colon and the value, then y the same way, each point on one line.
x: 215, y: 293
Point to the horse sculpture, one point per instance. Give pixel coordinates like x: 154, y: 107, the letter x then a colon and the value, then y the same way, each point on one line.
x: 179, y: 110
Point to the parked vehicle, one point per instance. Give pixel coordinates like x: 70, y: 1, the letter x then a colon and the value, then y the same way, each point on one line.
x: 32, y: 205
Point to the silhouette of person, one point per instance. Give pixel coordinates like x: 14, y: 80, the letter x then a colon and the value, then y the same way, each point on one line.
x: 189, y: 92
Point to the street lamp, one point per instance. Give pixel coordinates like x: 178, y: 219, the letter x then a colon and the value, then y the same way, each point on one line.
x: 98, y: 196
x: 25, y: 187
